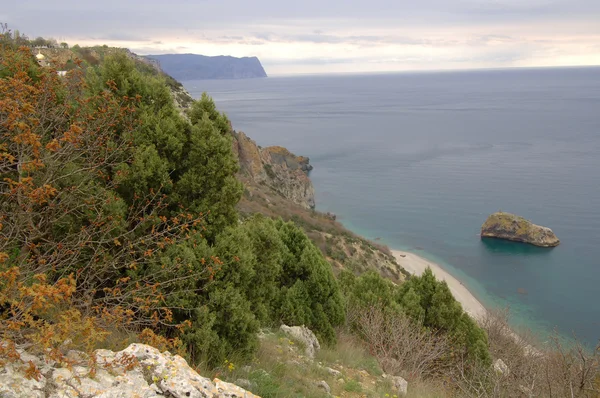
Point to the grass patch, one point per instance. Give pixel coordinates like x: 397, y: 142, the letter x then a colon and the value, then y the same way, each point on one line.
x: 352, y: 386
x: 280, y: 370
x: 350, y: 353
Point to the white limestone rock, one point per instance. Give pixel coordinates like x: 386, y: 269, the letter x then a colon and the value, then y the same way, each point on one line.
x: 323, y: 385
x: 401, y: 385
x: 229, y: 390
x: 305, y: 336
x: 501, y: 367
x: 333, y: 372
x: 152, y: 374
x: 13, y: 384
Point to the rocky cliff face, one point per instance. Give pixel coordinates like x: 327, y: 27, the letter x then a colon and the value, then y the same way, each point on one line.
x: 512, y: 227
x: 195, y: 67
x: 137, y: 371
x: 277, y: 168
x: 274, y: 167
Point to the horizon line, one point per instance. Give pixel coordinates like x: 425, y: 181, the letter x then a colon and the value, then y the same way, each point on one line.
x: 442, y: 70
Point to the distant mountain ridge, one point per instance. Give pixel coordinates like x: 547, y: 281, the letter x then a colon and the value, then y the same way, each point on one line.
x: 194, y: 66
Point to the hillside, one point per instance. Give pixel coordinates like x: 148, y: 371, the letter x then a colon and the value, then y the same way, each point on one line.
x: 132, y: 213
x: 197, y: 67
x: 276, y: 184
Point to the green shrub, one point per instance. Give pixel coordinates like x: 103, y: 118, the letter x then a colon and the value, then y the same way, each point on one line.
x: 432, y: 300
x: 269, y: 272
x: 424, y: 300
x: 352, y: 386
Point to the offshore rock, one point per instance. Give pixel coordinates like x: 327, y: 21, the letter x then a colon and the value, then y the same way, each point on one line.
x: 516, y: 228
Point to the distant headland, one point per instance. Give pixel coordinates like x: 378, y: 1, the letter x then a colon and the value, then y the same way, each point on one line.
x: 196, y: 67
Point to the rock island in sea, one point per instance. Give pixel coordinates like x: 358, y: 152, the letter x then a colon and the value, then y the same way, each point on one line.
x: 516, y: 228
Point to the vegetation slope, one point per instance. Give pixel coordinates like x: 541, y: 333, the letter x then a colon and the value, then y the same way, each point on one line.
x: 120, y: 222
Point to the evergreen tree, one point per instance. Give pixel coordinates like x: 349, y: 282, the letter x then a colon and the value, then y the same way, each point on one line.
x: 208, y: 183
x: 192, y: 163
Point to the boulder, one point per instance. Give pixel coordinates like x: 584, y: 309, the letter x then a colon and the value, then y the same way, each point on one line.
x: 501, y: 367
x: 509, y: 226
x: 14, y: 384
x: 305, y: 336
x: 400, y: 385
x: 323, y: 385
x: 150, y: 374
x: 228, y: 390
x: 333, y: 372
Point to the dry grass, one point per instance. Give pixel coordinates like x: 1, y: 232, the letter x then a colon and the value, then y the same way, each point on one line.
x: 557, y: 369
x: 402, y: 346
x: 280, y: 369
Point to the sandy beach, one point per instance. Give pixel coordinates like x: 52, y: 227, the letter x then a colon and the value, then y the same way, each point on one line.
x: 416, y: 265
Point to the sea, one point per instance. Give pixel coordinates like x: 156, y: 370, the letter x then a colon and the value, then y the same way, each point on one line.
x: 419, y: 160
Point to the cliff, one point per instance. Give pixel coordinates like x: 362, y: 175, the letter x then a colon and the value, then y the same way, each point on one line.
x: 515, y: 228
x: 276, y: 184
x: 196, y: 67
x: 277, y: 168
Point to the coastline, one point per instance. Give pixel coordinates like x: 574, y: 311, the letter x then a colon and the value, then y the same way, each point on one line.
x: 416, y: 265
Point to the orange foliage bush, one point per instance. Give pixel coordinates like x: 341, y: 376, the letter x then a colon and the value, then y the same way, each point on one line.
x: 76, y: 261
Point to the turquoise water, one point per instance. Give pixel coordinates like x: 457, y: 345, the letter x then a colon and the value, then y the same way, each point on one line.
x: 419, y: 161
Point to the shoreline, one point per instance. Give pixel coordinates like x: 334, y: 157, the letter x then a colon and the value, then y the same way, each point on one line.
x: 416, y: 265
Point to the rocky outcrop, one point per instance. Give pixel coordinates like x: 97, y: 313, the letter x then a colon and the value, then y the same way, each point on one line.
x: 277, y: 168
x: 137, y: 371
x: 305, y: 336
x: 182, y: 98
x: 512, y: 227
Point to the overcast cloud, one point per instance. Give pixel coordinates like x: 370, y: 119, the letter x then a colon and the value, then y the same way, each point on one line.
x: 321, y: 36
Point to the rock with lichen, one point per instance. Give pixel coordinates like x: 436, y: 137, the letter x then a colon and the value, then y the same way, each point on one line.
x: 305, y: 336
x: 516, y: 228
x: 137, y: 371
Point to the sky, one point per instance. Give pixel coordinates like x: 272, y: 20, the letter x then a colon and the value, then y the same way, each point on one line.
x: 330, y: 36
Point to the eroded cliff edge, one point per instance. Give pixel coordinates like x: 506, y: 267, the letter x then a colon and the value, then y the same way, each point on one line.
x: 276, y: 168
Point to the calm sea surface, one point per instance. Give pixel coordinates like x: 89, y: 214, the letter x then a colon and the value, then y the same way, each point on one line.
x: 419, y: 160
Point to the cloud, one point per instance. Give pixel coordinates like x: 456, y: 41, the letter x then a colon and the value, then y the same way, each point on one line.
x: 122, y: 36
x: 333, y: 34
x: 310, y: 61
